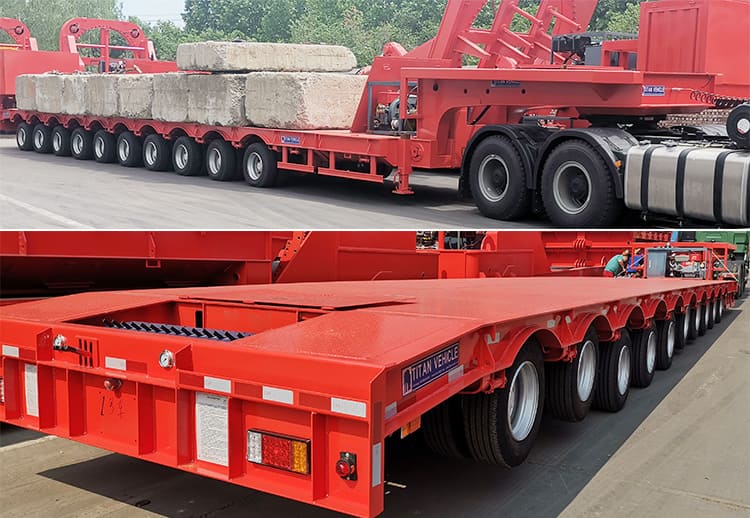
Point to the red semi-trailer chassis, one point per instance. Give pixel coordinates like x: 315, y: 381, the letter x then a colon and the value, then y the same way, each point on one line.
x: 305, y: 381
x: 423, y: 110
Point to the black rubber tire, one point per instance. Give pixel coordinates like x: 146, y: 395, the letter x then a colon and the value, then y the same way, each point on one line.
x: 266, y: 172
x: 157, y: 153
x: 129, y: 150
x: 740, y: 114
x: 607, y: 394
x: 603, y: 208
x: 221, y: 161
x: 61, y: 141
x: 42, y: 139
x: 23, y: 137
x: 692, y: 325
x: 81, y: 144
x: 488, y: 433
x: 105, y: 146
x: 703, y: 324
x: 681, y: 330
x: 719, y: 309
x: 643, y: 362
x: 187, y: 157
x: 711, y: 307
x: 443, y: 429
x: 665, y: 351
x: 563, y: 398
x: 515, y: 201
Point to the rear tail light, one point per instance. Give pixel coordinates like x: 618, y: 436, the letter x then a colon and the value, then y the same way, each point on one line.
x: 346, y: 466
x: 278, y: 451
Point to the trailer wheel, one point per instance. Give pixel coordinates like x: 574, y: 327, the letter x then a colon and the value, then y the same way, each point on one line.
x: 577, y: 187
x: 23, y: 137
x: 666, y: 331
x: 81, y: 144
x: 61, y: 141
x: 719, y: 309
x: 497, y: 179
x: 710, y: 313
x: 187, y: 157
x: 644, y: 356
x: 42, y: 139
x: 702, y: 319
x: 104, y: 147
x: 259, y: 165
x: 156, y: 153
x: 129, y: 150
x: 694, y: 318
x: 682, y: 328
x: 570, y: 385
x: 501, y: 427
x: 221, y: 161
x: 443, y: 429
x: 613, y: 380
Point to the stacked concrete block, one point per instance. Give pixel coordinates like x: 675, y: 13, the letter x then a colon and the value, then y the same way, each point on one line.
x: 135, y: 94
x: 302, y: 100
x: 74, y: 94
x: 170, y: 102
x: 49, y: 89
x: 101, y: 95
x: 217, y: 99
x: 26, y: 92
x: 216, y: 56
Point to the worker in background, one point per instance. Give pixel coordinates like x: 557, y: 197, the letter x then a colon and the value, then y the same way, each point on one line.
x: 617, y: 265
x: 635, y: 267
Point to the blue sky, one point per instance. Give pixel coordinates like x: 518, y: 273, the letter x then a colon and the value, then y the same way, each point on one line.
x: 153, y: 10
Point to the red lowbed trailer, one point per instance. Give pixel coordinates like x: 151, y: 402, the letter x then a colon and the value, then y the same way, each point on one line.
x: 423, y: 110
x: 292, y: 389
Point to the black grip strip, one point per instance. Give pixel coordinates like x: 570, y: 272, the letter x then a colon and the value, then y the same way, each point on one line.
x: 719, y: 183
x: 679, y: 191
x: 645, y: 170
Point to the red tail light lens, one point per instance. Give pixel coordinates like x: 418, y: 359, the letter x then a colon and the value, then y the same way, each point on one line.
x: 346, y: 466
x: 278, y: 451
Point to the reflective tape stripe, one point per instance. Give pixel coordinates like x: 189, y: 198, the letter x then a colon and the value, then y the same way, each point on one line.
x: 348, y: 407
x: 377, y: 464
x: 115, y: 363
x: 217, y: 384
x: 456, y: 373
x: 278, y: 395
x: 391, y: 410
x: 10, y: 350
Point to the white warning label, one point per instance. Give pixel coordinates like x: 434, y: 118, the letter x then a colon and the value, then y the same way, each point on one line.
x: 212, y: 428
x: 32, y: 390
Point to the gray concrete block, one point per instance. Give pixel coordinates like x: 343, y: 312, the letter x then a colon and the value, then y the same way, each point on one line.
x: 49, y: 93
x: 217, y: 99
x: 216, y: 56
x: 26, y: 92
x: 74, y: 94
x: 101, y: 95
x: 302, y: 100
x: 135, y: 94
x: 170, y: 101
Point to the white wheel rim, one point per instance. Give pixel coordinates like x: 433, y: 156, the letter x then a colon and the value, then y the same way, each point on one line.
x: 567, y: 188
x: 697, y: 317
x: 21, y: 136
x: 523, y: 401
x: 77, y: 144
x: 152, y: 153
x: 685, y: 323
x: 651, y: 352
x: 706, y: 314
x: 716, y: 309
x: 623, y: 370
x: 494, y: 178
x: 123, y: 149
x: 586, y: 370
x: 99, y: 147
x: 670, y: 338
x: 181, y: 156
x: 38, y: 139
x: 214, y: 161
x: 721, y: 307
x: 57, y: 141
x: 254, y: 166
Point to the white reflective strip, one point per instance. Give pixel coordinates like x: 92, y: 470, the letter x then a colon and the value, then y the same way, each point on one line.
x: 31, y: 389
x: 10, y: 350
x: 377, y: 464
x: 456, y: 373
x: 217, y: 384
x: 115, y: 363
x: 348, y: 407
x: 254, y: 447
x: 391, y: 410
x: 278, y: 395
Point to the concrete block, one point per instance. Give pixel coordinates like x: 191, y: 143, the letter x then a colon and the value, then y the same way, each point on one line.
x: 170, y: 101
x: 135, y: 94
x: 26, y: 92
x: 101, y: 95
x: 217, y: 99
x: 49, y: 93
x: 215, y: 56
x: 74, y: 94
x: 302, y: 100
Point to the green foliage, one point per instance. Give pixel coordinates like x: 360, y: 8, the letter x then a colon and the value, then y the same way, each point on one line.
x: 626, y: 21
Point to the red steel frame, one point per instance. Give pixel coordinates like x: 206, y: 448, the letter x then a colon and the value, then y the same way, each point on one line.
x: 334, y: 351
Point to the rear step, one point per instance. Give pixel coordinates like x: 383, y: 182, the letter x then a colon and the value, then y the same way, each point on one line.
x: 175, y: 330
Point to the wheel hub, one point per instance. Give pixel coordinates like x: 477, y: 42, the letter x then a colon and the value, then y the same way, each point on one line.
x: 124, y: 149
x: 623, y: 370
x: 181, y: 156
x: 214, y: 161
x: 586, y: 370
x: 21, y: 136
x: 493, y: 178
x: 99, y: 147
x: 523, y: 401
x: 255, y: 166
x: 651, y: 352
x: 571, y: 188
x: 78, y: 144
x: 151, y: 153
x: 670, y: 338
x: 38, y: 139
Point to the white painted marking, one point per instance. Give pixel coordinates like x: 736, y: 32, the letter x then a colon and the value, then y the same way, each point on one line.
x: 10, y: 350
x: 377, y: 464
x: 391, y: 410
x: 217, y: 384
x: 456, y: 373
x: 348, y: 407
x: 278, y: 395
x: 32, y: 390
x: 57, y: 218
x: 115, y: 363
x: 212, y: 428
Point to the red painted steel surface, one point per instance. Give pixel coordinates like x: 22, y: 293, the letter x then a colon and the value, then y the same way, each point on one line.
x: 323, y: 365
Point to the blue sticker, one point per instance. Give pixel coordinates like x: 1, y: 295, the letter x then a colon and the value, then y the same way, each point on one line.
x: 291, y: 140
x: 427, y: 370
x: 654, y: 91
x: 504, y: 83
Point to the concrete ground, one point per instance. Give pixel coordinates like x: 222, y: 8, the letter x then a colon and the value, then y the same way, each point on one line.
x: 678, y: 448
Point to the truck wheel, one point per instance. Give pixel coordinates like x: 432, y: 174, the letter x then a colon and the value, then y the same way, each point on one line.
x: 613, y: 382
x: 221, y: 161
x: 23, y: 137
x: 61, y: 141
x: 156, y: 153
x: 259, y: 165
x: 129, y: 150
x: 497, y: 178
x: 81, y: 144
x: 666, y: 331
x: 104, y: 147
x: 501, y: 427
x: 570, y: 385
x: 682, y: 327
x: 694, y: 318
x: 187, y: 157
x: 644, y: 356
x: 702, y: 320
x: 42, y: 139
x: 577, y: 187
x: 443, y: 429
